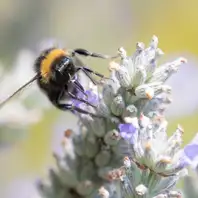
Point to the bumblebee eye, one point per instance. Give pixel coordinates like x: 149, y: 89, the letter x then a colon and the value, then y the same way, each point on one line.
x: 63, y: 65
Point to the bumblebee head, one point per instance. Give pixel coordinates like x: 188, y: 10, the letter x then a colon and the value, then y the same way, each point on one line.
x: 62, y: 69
x: 62, y: 65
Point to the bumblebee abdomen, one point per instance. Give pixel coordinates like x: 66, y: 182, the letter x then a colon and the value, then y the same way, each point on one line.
x: 38, y: 61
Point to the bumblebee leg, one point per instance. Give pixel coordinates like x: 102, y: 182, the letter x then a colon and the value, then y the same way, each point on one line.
x: 55, y: 99
x: 88, y: 75
x: 93, y: 72
x: 80, y: 88
x: 71, y: 107
x: 87, y: 71
x: 85, y: 52
x: 80, y: 99
x: 76, y: 82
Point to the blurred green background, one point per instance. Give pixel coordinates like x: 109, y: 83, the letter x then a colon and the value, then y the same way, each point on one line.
x: 100, y: 26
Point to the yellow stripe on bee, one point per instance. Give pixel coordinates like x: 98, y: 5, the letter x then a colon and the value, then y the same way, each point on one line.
x: 48, y: 60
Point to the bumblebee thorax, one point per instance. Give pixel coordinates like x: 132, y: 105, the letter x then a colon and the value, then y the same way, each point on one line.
x: 47, y: 60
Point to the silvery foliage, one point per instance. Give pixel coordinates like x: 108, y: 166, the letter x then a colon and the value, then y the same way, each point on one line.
x: 125, y: 152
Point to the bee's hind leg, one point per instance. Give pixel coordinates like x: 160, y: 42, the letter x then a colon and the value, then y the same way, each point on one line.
x: 70, y: 107
x: 85, y: 52
x: 80, y: 99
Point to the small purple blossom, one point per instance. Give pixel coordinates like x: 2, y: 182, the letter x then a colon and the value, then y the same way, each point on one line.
x: 92, y: 97
x: 127, y: 131
x: 88, y: 96
x: 191, y: 152
x: 182, y: 163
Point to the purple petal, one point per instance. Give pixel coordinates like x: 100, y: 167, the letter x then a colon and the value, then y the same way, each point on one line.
x: 92, y: 97
x: 183, y: 163
x: 191, y: 151
x: 127, y: 131
x: 76, y: 102
x: 132, y: 141
x: 128, y: 128
x: 125, y: 135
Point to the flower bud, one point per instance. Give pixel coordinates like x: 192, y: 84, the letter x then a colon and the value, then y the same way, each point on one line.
x: 129, y: 65
x: 175, y: 194
x: 144, y: 91
x: 103, y: 109
x: 79, y: 145
x: 103, y: 172
x: 85, y: 188
x: 67, y: 175
x: 162, y: 73
x: 112, y: 138
x: 140, y: 76
x: 163, y: 89
x: 154, y: 42
x: 127, y: 162
x: 162, y: 163
x: 112, y: 123
x: 118, y: 105
x: 122, y: 52
x: 141, y: 190
x: 68, y: 147
x: 130, y: 111
x: 87, y: 170
x: 110, y: 90
x: 98, y: 127
x: 140, y: 46
x: 149, y: 154
x: 137, y: 56
x: 103, y: 192
x: 103, y: 158
x: 123, y: 77
x: 91, y: 146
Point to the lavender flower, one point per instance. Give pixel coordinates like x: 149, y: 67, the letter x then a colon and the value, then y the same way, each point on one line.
x: 130, y: 122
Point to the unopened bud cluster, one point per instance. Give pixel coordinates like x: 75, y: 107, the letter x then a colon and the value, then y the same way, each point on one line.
x: 154, y: 163
x: 130, y: 122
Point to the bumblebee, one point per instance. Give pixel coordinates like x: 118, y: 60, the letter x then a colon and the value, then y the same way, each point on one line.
x: 56, y: 75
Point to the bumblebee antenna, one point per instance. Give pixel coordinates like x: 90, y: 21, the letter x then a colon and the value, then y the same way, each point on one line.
x: 18, y: 90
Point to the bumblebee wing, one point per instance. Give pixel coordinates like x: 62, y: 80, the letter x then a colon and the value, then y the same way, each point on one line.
x: 18, y: 90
